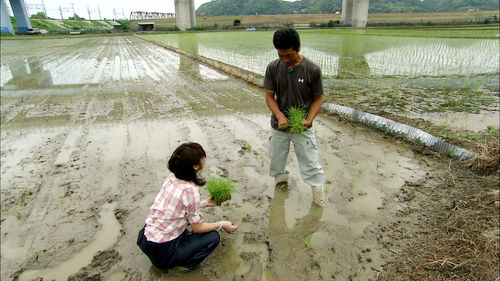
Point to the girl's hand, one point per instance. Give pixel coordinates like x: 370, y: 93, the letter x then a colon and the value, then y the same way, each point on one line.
x: 228, y: 226
x: 208, y: 203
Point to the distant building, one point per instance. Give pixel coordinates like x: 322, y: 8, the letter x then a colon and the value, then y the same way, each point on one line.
x: 116, y: 25
x: 146, y: 25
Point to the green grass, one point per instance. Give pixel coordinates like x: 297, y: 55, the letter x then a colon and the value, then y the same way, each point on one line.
x: 295, y: 117
x: 77, y: 24
x: 43, y: 24
x: 494, y: 131
x: 220, y: 189
x: 98, y: 24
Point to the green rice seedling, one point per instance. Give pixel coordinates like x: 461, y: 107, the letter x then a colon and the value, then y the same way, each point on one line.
x: 330, y: 229
x: 307, y: 243
x: 295, y: 116
x: 220, y: 189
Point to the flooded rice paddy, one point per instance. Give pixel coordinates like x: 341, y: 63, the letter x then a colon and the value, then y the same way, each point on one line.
x: 445, y: 76
x: 88, y: 125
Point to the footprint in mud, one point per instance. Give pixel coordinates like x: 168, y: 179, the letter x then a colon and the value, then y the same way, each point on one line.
x: 100, y: 263
x: 255, y: 271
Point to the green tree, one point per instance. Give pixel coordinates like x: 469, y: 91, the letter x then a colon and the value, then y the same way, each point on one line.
x: 125, y: 24
x: 76, y: 17
x: 261, y: 7
x: 39, y: 15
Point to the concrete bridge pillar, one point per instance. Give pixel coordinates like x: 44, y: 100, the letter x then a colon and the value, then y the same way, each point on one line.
x: 21, y: 16
x: 185, y: 14
x: 5, y: 18
x: 355, y: 12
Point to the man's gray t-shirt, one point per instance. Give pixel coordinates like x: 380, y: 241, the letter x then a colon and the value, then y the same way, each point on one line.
x: 293, y: 86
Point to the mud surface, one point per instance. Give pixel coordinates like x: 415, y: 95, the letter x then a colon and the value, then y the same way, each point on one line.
x: 87, y: 129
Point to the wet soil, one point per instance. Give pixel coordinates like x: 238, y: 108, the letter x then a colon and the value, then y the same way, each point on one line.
x: 84, y: 153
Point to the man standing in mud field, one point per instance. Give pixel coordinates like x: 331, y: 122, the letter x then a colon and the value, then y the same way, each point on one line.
x: 294, y: 81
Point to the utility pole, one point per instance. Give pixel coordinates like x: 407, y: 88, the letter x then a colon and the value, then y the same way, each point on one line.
x: 60, y: 11
x: 99, y: 9
x: 44, y: 10
x: 73, y: 7
x: 88, y: 10
x: 114, y: 12
x: 123, y: 14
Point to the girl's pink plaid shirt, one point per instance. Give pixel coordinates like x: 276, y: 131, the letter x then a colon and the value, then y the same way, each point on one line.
x: 175, y: 207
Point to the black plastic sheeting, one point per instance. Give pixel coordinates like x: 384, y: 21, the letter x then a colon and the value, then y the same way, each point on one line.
x: 395, y: 128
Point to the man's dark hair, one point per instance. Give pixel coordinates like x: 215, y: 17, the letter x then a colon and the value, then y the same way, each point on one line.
x: 183, y: 159
x: 286, y: 38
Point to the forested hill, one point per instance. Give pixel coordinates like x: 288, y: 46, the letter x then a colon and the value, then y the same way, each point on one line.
x: 263, y: 7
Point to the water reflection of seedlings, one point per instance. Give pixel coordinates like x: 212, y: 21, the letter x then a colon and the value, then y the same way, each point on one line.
x: 128, y: 135
x: 307, y: 242
x: 24, y: 196
x: 361, y: 169
x: 329, y: 229
x: 34, y: 255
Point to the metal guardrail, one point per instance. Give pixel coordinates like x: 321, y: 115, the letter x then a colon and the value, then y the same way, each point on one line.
x: 396, y: 128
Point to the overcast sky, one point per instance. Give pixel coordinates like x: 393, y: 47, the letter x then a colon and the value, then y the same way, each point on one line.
x: 108, y: 8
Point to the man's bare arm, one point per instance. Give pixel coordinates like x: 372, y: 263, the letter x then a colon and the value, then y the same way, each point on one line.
x: 273, y: 106
x: 313, y: 110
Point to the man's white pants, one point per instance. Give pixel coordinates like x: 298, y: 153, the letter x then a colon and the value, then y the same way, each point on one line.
x: 306, y: 151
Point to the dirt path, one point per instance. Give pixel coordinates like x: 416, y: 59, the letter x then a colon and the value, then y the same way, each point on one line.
x: 84, y: 153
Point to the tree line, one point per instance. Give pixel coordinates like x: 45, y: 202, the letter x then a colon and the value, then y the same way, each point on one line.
x: 272, y: 7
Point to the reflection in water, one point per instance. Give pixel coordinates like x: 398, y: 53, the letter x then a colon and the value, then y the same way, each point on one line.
x: 349, y: 55
x: 25, y: 74
x: 352, y: 61
x: 188, y: 65
x: 109, y: 64
x: 288, y: 245
x: 193, y: 68
x: 257, y: 63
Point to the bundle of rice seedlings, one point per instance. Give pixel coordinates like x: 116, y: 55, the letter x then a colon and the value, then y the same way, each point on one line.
x: 220, y: 189
x: 295, y: 117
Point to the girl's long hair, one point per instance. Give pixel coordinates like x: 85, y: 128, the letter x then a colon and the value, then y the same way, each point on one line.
x: 183, y: 160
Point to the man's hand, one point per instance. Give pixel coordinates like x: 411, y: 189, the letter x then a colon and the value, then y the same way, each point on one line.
x: 283, y: 123
x: 307, y: 123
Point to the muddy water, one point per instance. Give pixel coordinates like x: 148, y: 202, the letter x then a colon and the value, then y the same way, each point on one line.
x: 103, y: 239
x: 87, y: 149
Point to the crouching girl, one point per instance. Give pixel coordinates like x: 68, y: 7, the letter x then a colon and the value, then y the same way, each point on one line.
x: 164, y: 238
